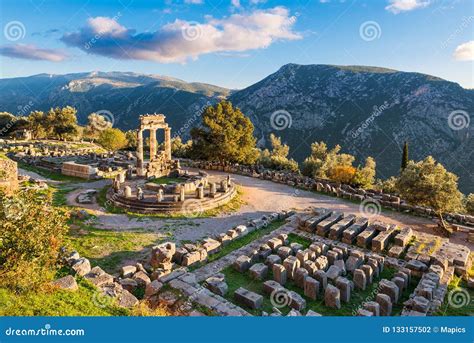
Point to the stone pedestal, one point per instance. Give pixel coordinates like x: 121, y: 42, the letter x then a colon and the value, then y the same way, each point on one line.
x: 200, y: 192
x: 159, y: 195
x: 212, y: 189
x: 127, y: 192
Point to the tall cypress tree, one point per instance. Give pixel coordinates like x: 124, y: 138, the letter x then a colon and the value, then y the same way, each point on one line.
x: 405, y: 156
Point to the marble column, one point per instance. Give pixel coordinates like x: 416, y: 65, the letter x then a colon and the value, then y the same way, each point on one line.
x: 168, y: 143
x: 139, y: 152
x: 153, y: 147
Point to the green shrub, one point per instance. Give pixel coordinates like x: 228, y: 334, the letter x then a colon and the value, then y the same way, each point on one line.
x: 31, y: 234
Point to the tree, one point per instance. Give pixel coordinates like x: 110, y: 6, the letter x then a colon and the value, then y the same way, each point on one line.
x: 132, y: 139
x: 10, y: 123
x: 31, y: 235
x: 95, y: 124
x: 112, y: 139
x: 428, y: 183
x: 180, y: 149
x: 365, y: 177
x: 64, y: 122
x: 40, y: 124
x: 343, y: 173
x: 225, y: 135
x: 323, y: 162
x: 405, y: 156
x: 278, y: 157
x: 469, y: 204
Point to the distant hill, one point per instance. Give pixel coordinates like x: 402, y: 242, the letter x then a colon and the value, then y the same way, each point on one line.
x: 367, y: 110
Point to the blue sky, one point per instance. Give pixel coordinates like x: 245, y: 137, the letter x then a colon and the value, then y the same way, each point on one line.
x: 235, y: 43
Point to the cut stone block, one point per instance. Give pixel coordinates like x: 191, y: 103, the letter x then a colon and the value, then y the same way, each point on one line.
x: 242, y: 263
x: 332, y: 297
x: 279, y: 274
x: 248, y: 298
x: 272, y: 259
x: 258, y: 271
x: 389, y: 288
x: 385, y: 304
x: 322, y: 278
x: 311, y: 288
x: 360, y: 280
x: 300, y: 276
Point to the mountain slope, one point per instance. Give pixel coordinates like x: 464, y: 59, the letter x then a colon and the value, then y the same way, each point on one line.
x: 368, y: 111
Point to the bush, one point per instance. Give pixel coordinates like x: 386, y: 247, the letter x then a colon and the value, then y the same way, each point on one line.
x: 31, y: 234
x: 112, y: 139
x: 469, y: 204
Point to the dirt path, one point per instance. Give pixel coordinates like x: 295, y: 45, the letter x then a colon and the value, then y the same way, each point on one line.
x: 261, y: 197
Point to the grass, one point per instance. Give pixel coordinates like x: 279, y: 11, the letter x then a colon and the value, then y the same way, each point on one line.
x: 107, y: 248
x: 51, y: 174
x: 57, y: 302
x: 165, y: 180
x: 235, y: 280
x: 462, y: 297
x: 59, y: 195
x: 240, y: 242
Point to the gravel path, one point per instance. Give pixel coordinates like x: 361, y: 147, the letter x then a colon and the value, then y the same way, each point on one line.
x: 261, y: 197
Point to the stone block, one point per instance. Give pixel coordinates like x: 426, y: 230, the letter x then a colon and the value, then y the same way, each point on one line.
x: 217, y: 285
x: 373, y: 307
x: 274, y: 243
x: 291, y: 263
x: 248, y: 298
x: 368, y: 273
x: 389, y: 288
x: 385, y: 304
x: 279, y: 274
x: 333, y: 272
x: 311, y: 288
x: 360, y: 280
x: 258, y: 271
x: 191, y: 258
x: 323, y: 227
x: 322, y: 278
x: 345, y: 288
x: 284, y: 252
x: 300, y: 276
x: 271, y: 286
x: 296, y: 301
x: 295, y: 247
x: 128, y: 271
x: 332, y: 297
x: 272, y: 259
x: 242, y: 263
x: 67, y: 282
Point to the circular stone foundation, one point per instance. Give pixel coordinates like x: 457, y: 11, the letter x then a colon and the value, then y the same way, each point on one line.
x: 197, y: 193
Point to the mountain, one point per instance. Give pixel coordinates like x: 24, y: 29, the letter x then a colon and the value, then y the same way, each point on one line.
x: 368, y: 111
x: 125, y: 95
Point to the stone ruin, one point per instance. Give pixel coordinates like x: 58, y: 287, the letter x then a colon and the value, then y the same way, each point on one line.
x: 389, y: 201
x: 161, y: 163
x: 347, y: 254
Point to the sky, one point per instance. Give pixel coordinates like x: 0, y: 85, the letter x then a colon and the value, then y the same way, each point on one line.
x: 235, y: 43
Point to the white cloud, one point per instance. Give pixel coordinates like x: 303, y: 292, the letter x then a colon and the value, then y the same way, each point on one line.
x: 235, y: 3
x: 182, y: 40
x: 397, y: 6
x: 32, y: 52
x: 465, y: 52
x: 194, y: 2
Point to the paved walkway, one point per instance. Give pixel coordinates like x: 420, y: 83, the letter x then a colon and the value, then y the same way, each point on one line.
x: 261, y: 197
